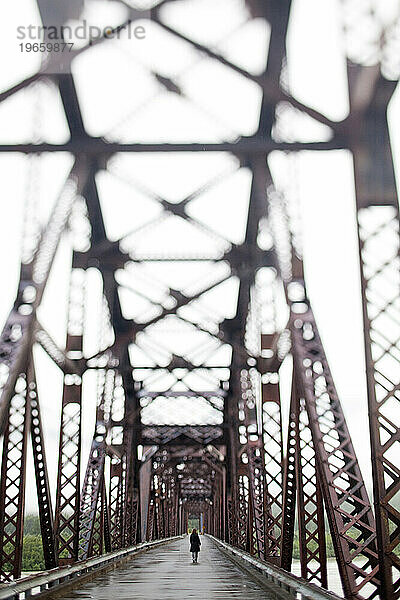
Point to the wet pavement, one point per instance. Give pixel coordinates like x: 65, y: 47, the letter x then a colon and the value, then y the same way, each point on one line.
x: 167, y: 573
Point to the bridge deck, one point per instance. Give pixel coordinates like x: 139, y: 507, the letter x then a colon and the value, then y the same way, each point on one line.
x: 167, y: 573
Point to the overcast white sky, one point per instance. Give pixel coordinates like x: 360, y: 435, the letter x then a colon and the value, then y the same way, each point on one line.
x: 111, y: 80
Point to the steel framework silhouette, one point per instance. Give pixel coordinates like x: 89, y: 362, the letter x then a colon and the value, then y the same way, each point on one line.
x: 228, y: 460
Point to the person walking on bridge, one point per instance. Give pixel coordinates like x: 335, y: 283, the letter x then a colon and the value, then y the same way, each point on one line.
x: 195, y: 544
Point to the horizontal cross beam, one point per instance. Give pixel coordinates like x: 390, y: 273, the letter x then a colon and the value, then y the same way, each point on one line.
x: 99, y: 146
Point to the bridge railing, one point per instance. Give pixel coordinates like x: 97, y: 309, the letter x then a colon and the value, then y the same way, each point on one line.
x: 289, y: 584
x: 50, y: 581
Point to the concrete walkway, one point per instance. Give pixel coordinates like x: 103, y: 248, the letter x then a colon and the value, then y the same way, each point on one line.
x: 167, y: 573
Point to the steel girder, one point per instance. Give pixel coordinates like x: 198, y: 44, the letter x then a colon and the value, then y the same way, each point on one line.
x: 321, y: 463
x: 302, y: 488
x: 379, y: 247
x: 42, y: 479
x: 68, y: 479
x: 13, y: 481
x: 350, y: 515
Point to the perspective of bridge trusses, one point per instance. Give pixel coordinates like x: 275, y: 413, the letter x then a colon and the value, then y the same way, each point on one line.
x: 182, y: 246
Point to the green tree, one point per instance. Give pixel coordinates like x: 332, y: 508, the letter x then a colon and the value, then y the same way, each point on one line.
x: 32, y: 553
x: 31, y: 525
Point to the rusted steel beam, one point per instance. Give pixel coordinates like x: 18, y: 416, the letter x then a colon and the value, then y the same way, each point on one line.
x: 303, y: 496
x: 349, y: 512
x: 93, y: 497
x: 13, y: 481
x: 68, y: 478
x: 271, y: 418
x: 379, y: 250
x: 41, y: 474
x: 98, y: 147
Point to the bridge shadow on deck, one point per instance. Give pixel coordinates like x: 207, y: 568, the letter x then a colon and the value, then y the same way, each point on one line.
x: 167, y: 573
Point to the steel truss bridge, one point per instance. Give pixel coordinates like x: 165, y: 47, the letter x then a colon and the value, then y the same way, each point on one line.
x: 188, y: 411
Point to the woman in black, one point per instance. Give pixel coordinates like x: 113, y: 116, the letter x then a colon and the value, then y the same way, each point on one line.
x: 195, y: 544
